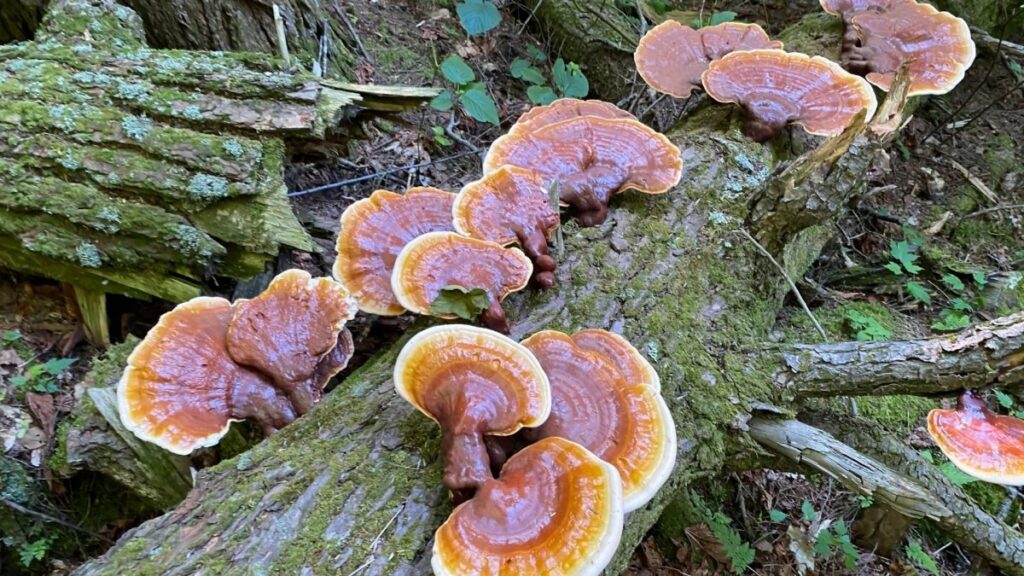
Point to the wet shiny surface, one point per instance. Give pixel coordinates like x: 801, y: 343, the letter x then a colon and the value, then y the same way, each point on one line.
x: 374, y: 230
x: 566, y: 108
x: 439, y: 259
x: 777, y: 88
x: 286, y: 331
x: 623, y: 422
x: 937, y: 45
x: 472, y: 382
x: 620, y: 353
x: 555, y: 510
x: 671, y: 57
x: 980, y: 442
x: 847, y: 8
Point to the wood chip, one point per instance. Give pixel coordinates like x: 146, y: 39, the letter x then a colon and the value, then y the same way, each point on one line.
x: 975, y: 181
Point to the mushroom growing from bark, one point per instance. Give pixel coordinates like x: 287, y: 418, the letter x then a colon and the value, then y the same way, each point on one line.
x: 597, y: 402
x: 374, y: 230
x: 471, y: 381
x: 510, y: 205
x: 777, y: 88
x: 980, y: 442
x: 590, y: 159
x: 439, y: 263
x: 181, y: 389
x: 565, y: 109
x: 847, y: 9
x: 555, y: 509
x: 936, y: 46
x: 289, y: 329
x: 671, y: 57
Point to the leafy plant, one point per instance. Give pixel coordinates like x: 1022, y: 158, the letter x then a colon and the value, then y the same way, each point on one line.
x: 807, y: 511
x: 478, y: 16
x: 918, y: 556
x: 462, y: 302
x: 10, y: 336
x: 466, y: 91
x: 42, y: 378
x: 715, y: 18
x: 439, y: 136
x: 866, y: 328
x: 777, y: 515
x: 29, y: 552
x: 951, y: 321
x: 949, y: 470
x: 740, y: 554
x: 567, y: 80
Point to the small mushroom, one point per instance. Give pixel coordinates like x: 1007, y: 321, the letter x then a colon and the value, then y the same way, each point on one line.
x: 288, y: 330
x: 472, y: 382
x: 555, y: 509
x: 374, y: 230
x: 439, y: 261
x: 506, y: 206
x: 937, y: 47
x: 181, y: 389
x: 566, y: 108
x: 671, y: 57
x: 777, y: 88
x: 979, y: 442
x: 591, y: 159
x: 623, y: 421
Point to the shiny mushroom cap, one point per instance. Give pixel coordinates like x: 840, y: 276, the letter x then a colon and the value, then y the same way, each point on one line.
x: 472, y: 382
x: 777, y: 88
x: 555, y: 509
x: 374, y: 230
x: 979, y: 442
x: 850, y: 8
x: 181, y: 389
x: 622, y: 421
x: 671, y: 57
x: 510, y: 205
x: 287, y: 331
x: 592, y: 158
x: 566, y: 108
x: 936, y: 45
x: 620, y: 353
x: 437, y: 260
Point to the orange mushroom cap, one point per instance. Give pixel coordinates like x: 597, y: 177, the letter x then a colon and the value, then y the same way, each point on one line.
x: 374, y: 230
x: 506, y: 206
x: 850, y: 8
x: 777, y: 88
x: 555, y: 509
x: 624, y: 422
x: 592, y: 158
x: 671, y: 57
x: 472, y: 382
x: 436, y: 260
x: 288, y: 329
x: 620, y: 353
x: 979, y: 442
x: 181, y: 389
x: 566, y: 108
x: 936, y: 45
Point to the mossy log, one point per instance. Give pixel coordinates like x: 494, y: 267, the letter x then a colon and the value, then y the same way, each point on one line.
x: 136, y: 171
x: 355, y: 485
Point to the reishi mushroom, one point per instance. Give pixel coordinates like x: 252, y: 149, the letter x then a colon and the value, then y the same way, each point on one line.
x: 555, y: 509
x: 936, y: 46
x: 564, y: 109
x: 471, y: 381
x: 671, y: 57
x: 620, y: 353
x: 777, y: 88
x: 374, y: 230
x: 847, y: 9
x: 181, y: 389
x: 435, y: 261
x: 591, y: 158
x: 507, y: 206
x: 288, y: 329
x: 980, y: 442
x: 595, y: 403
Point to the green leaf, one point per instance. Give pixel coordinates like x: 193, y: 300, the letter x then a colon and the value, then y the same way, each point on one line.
x: 807, y: 509
x: 777, y: 515
x: 823, y: 543
x: 980, y: 278
x: 19, y: 381
x: 479, y: 105
x: 956, y: 475
x: 1004, y: 399
x: 740, y: 554
x: 442, y: 101
x: 11, y: 336
x: 953, y: 282
x: 918, y: 556
x: 478, y: 16
x: 57, y: 365
x: 569, y: 79
x: 464, y: 303
x: 952, y: 321
x: 1019, y: 414
x: 918, y: 292
x: 523, y: 70
x: 456, y: 71
x: 721, y: 17
x: 927, y: 455
x: 535, y: 53
x: 867, y: 328
x: 894, y: 268
x: 865, y: 501
x: 541, y: 94
x: 961, y: 305
x: 901, y: 251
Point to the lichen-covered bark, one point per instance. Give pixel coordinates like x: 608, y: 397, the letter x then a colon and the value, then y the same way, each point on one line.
x: 983, y: 355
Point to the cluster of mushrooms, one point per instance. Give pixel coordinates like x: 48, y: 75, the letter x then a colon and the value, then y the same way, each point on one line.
x: 599, y: 442
x: 738, y: 63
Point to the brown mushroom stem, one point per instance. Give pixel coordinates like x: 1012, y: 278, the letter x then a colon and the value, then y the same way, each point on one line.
x: 467, y: 464
x: 253, y: 398
x: 499, y: 448
x: 589, y: 192
x: 535, y: 244
x: 761, y: 130
x: 494, y: 317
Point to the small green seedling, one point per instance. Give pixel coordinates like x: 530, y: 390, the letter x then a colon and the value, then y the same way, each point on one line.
x: 715, y: 19
x: 866, y: 328
x: 10, y: 336
x: 439, y: 136
x: 471, y: 95
x: 42, y: 378
x: 567, y: 80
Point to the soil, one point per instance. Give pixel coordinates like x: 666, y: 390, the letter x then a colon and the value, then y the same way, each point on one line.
x: 958, y: 220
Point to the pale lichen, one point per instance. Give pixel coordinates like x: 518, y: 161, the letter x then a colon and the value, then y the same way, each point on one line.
x: 204, y: 187
x: 88, y: 255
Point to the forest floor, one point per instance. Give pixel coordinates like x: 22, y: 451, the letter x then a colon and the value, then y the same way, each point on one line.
x: 950, y: 203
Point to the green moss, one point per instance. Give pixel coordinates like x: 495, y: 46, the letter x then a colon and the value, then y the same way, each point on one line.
x: 15, y: 483
x: 1000, y: 157
x: 901, y: 414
